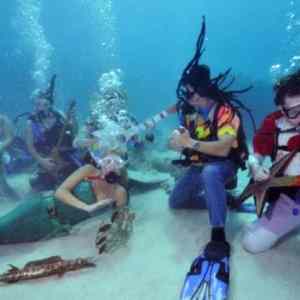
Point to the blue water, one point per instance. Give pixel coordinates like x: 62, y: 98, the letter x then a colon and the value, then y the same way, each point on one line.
x: 153, y: 42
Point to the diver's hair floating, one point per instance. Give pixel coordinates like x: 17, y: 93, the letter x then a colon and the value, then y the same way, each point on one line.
x: 216, y: 88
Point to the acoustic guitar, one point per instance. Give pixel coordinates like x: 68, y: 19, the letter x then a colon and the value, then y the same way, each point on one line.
x: 55, y: 154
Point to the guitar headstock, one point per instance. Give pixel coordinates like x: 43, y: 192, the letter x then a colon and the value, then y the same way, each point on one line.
x: 71, y: 108
x: 72, y: 104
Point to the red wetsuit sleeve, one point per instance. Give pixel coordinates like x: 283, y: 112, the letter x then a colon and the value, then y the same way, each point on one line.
x: 264, y: 138
x: 294, y: 143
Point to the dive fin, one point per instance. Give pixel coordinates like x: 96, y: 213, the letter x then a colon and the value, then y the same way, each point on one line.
x: 208, y: 278
x: 195, y: 284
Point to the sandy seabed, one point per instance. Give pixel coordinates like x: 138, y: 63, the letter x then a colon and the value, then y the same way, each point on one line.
x: 154, y: 263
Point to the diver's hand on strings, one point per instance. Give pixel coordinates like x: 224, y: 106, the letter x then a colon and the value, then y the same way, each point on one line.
x: 261, y: 174
x: 257, y: 171
x: 174, y: 142
x: 179, y: 140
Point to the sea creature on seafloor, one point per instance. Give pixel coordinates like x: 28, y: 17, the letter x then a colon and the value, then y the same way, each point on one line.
x: 53, y: 265
x: 116, y: 233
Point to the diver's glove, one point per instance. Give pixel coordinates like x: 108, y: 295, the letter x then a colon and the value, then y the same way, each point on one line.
x: 116, y: 233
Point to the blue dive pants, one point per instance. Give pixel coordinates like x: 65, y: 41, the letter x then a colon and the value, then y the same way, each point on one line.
x: 204, y: 187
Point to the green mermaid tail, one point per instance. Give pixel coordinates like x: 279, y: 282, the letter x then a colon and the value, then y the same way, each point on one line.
x: 43, y: 217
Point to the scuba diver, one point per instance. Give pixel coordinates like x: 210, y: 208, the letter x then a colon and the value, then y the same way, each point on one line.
x: 6, y: 139
x: 212, y: 140
x: 49, y: 138
x: 109, y: 107
x: 278, y: 136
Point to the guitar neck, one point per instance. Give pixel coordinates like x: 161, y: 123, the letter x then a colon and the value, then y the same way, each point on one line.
x: 65, y: 126
x: 151, y: 122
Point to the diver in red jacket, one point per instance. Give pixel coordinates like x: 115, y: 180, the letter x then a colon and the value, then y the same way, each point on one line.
x: 278, y: 135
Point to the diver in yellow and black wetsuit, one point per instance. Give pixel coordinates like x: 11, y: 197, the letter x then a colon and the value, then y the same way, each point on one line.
x: 209, y: 138
x: 212, y: 140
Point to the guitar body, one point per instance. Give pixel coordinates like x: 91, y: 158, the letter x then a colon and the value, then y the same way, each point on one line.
x: 60, y: 163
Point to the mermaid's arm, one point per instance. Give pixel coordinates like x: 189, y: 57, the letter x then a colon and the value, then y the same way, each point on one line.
x: 64, y: 191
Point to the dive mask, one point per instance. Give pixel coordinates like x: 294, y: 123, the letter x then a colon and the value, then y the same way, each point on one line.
x: 110, y: 166
x: 292, y: 112
x: 111, y: 163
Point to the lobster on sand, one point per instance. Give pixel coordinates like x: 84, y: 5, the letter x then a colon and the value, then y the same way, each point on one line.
x: 53, y: 265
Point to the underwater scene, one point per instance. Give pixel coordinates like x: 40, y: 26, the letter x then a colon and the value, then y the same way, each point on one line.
x: 149, y: 150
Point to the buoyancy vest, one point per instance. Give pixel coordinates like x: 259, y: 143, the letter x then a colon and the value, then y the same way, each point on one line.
x: 220, y: 121
x: 45, y: 139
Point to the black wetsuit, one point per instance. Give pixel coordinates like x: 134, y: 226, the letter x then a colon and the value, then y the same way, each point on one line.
x: 45, y: 140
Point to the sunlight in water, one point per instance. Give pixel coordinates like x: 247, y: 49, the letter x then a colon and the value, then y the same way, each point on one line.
x: 102, y: 16
x: 290, y: 53
x: 32, y: 32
